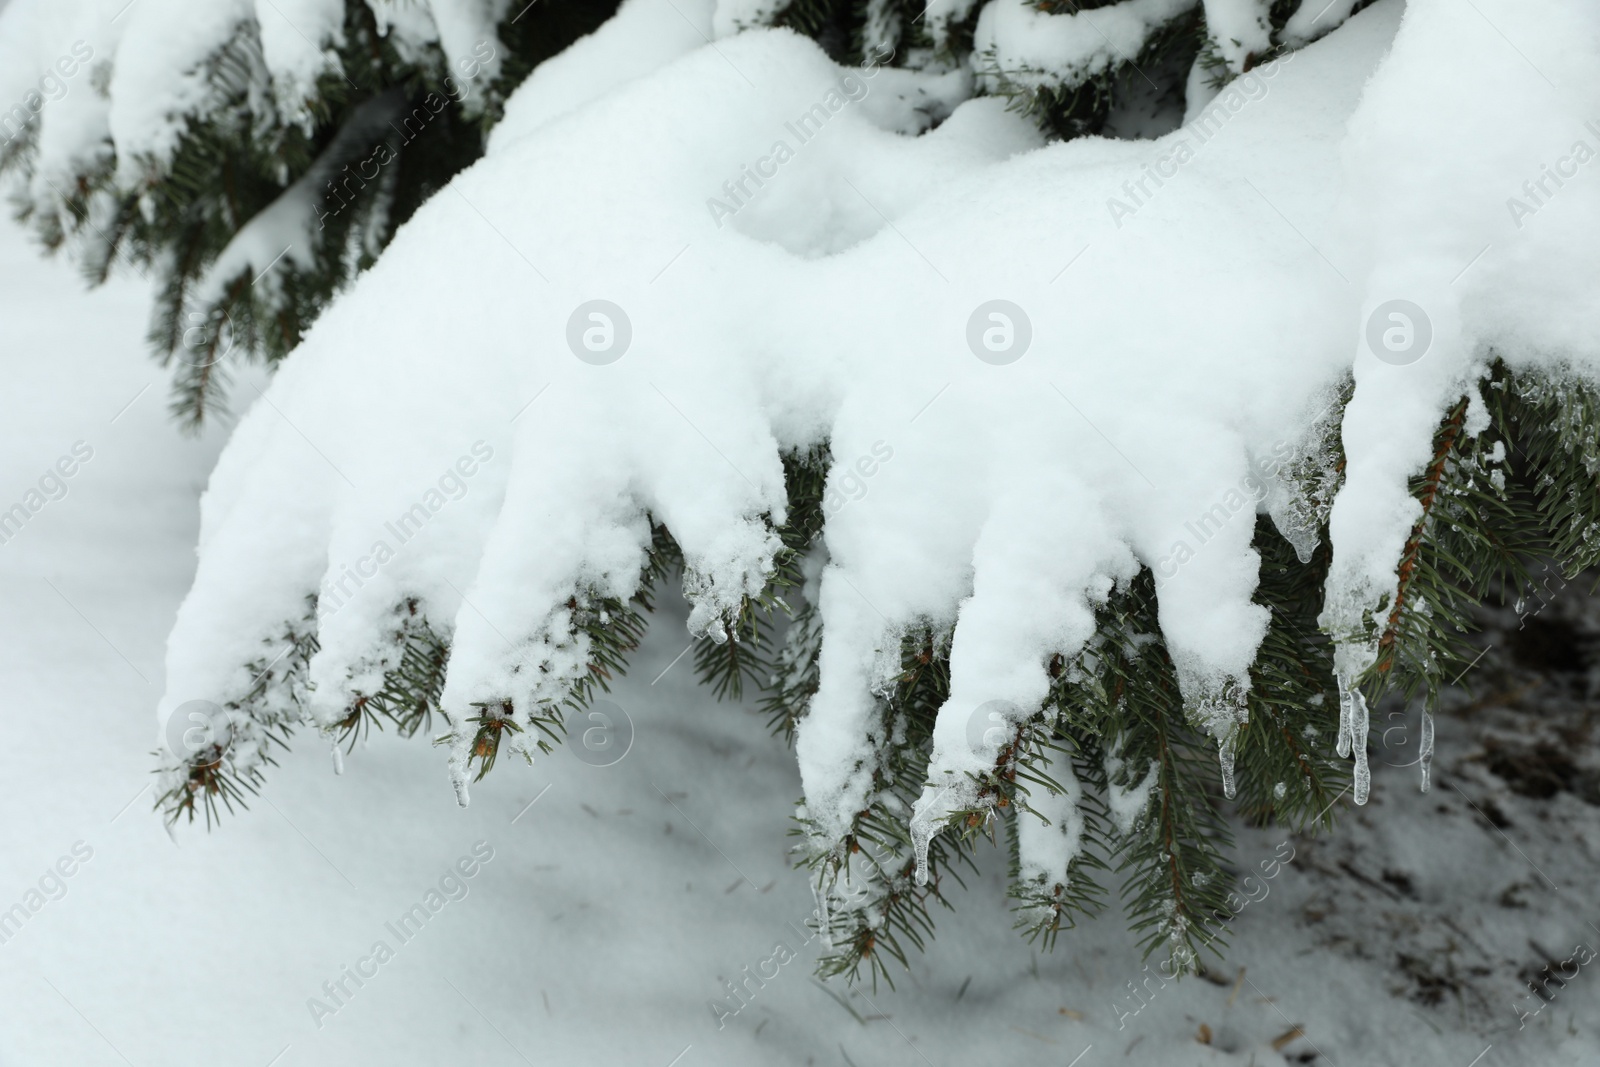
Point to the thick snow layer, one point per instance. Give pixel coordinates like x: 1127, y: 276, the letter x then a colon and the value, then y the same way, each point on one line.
x: 654, y: 283
x: 210, y: 948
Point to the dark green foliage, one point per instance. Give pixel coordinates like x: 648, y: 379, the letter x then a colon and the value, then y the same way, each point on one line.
x: 873, y: 868
x: 1467, y: 540
x: 728, y: 666
x: 613, y: 627
x: 749, y: 655
x: 834, y: 24
x: 269, y: 710
x: 1293, y: 697
x: 1123, y: 691
x: 410, y: 692
x: 794, y: 676
x: 1497, y: 506
x: 495, y: 722
x: 1556, y: 458
x: 1156, y: 78
x: 1043, y: 911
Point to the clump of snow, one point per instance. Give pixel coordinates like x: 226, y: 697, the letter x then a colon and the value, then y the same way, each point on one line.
x: 1128, y: 799
x: 297, y: 44
x: 469, y: 39
x: 1313, y: 18
x: 52, y: 59
x: 1031, y: 47
x: 1050, y: 835
x: 1240, y: 30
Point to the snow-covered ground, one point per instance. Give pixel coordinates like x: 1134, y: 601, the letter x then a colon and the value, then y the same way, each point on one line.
x: 616, y: 900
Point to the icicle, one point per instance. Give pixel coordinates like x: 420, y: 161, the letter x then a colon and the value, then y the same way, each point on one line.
x: 1345, y: 714
x: 1225, y: 747
x: 923, y: 830
x: 1360, y: 723
x: 1425, y: 750
x: 927, y: 819
x: 338, y: 759
x: 824, y: 921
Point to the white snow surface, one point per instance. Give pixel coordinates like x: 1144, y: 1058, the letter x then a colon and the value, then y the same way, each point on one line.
x: 606, y: 924
x: 1174, y: 343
